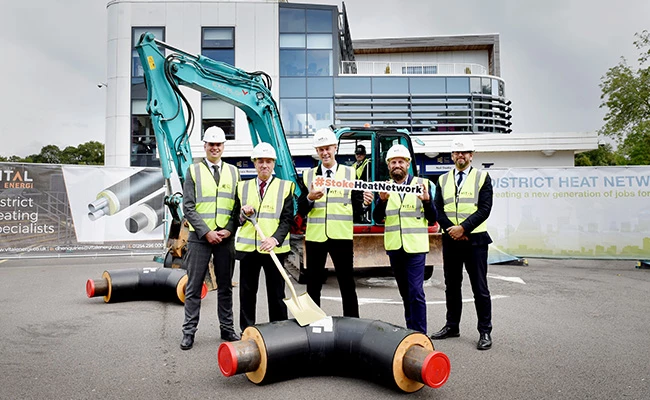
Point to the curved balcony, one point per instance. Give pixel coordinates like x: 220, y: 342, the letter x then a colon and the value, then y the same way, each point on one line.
x: 426, y: 114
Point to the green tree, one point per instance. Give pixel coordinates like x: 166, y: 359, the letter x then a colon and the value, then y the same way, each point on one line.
x: 626, y: 96
x: 89, y: 153
x: 604, y: 155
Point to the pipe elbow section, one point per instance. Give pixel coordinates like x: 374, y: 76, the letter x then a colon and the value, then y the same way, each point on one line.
x: 165, y: 284
x: 374, y: 350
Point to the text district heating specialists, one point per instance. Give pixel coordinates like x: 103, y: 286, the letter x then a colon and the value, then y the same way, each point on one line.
x: 22, y: 217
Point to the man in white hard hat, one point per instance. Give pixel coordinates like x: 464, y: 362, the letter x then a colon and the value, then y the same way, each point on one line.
x: 464, y: 201
x: 330, y: 223
x: 271, y: 200
x: 209, y: 206
x: 406, y: 234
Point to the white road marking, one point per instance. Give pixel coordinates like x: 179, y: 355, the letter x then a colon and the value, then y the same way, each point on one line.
x: 514, y: 279
x: 367, y: 300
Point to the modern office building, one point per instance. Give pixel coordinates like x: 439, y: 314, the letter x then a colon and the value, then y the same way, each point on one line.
x: 435, y: 87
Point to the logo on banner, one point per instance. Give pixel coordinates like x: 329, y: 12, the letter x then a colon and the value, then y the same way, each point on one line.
x: 16, y: 180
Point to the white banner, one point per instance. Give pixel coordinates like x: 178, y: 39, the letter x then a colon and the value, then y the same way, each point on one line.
x: 580, y: 212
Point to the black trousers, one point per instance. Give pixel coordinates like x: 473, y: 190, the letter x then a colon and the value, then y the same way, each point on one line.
x: 455, y: 254
x: 342, y: 254
x: 249, y: 278
x: 196, y: 261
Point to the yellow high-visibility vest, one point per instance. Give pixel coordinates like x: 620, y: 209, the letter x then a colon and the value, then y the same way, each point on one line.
x: 458, y: 208
x: 214, y: 214
x: 405, y: 225
x: 331, y: 216
x: 359, y: 167
x: 268, y: 211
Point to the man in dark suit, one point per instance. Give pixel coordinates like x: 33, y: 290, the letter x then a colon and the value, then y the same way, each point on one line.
x: 209, y: 206
x: 463, y: 200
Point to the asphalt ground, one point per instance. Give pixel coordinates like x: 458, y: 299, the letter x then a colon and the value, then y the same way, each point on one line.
x: 563, y: 329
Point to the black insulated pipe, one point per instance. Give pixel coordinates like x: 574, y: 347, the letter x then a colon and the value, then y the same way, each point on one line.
x: 400, y: 358
x: 125, y: 193
x: 164, y: 284
x: 147, y: 215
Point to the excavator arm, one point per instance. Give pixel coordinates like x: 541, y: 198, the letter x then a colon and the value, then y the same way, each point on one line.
x: 249, y: 91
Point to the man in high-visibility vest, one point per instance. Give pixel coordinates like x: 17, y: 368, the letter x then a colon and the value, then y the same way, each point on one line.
x: 406, y: 234
x: 361, y: 167
x: 209, y: 206
x: 271, y: 199
x: 329, y: 223
x: 464, y: 201
x: 362, y: 164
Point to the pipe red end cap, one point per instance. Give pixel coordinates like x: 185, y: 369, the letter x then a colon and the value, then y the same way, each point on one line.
x: 227, y: 356
x: 204, y: 291
x: 435, y: 369
x: 90, y: 288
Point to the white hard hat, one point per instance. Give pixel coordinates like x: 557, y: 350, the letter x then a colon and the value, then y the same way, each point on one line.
x: 263, y: 150
x: 462, y: 143
x: 324, y: 137
x: 214, y: 134
x: 398, y: 150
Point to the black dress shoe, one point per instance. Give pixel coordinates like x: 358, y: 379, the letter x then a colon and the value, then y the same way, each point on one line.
x: 230, y: 336
x: 187, y: 342
x: 445, y: 332
x: 484, y: 342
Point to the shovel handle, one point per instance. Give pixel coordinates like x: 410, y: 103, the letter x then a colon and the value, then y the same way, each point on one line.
x: 253, y: 220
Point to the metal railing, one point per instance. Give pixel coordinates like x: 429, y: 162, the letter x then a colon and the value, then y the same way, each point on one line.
x: 410, y: 68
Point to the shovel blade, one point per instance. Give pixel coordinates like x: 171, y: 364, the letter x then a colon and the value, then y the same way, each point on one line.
x: 304, y: 310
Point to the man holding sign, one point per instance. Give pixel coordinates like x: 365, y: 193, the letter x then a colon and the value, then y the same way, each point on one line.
x: 406, y: 235
x: 329, y: 223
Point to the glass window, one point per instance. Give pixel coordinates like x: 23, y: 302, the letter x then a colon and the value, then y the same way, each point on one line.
x: 427, y: 85
x: 487, y: 85
x: 319, y: 41
x: 218, y: 38
x: 292, y: 20
x: 390, y: 85
x: 475, y: 85
x: 293, y: 87
x: 143, y: 142
x: 320, y: 113
x: 495, y: 87
x: 223, y: 55
x: 219, y: 44
x: 137, y: 73
x: 348, y: 85
x: 217, y: 109
x: 292, y: 40
x: 292, y: 62
x: 319, y: 21
x: 457, y: 85
x: 228, y: 126
x: 320, y: 87
x: 319, y: 63
x: 294, y: 116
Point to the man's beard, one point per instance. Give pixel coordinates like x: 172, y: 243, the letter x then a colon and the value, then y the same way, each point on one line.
x: 397, y: 174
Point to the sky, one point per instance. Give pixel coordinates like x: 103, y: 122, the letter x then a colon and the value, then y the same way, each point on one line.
x: 553, y: 55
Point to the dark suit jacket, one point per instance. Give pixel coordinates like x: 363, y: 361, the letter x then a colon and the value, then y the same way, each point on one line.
x: 189, y: 210
x: 474, y: 220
